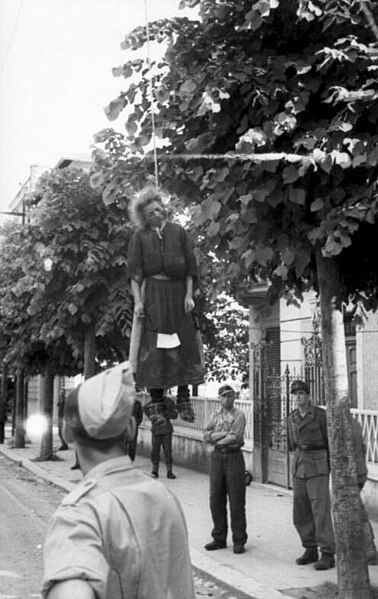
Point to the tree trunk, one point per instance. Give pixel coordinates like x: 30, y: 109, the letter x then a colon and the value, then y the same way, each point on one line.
x: 352, y: 570
x: 47, y: 405
x: 19, y: 440
x: 3, y: 400
x: 89, y: 352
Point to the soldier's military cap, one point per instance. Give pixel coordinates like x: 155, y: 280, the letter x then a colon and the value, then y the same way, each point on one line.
x: 104, y: 402
x: 299, y: 386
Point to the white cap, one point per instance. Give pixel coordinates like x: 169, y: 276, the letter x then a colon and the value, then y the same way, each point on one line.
x: 105, y: 402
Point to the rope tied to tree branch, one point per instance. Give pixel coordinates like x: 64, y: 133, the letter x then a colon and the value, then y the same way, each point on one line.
x: 151, y: 92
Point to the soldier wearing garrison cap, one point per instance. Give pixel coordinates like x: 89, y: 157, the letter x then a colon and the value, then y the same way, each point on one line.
x: 119, y: 533
x: 307, y: 431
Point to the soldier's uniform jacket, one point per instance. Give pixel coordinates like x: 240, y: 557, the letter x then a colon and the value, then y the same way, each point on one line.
x: 308, y: 438
x: 124, y: 533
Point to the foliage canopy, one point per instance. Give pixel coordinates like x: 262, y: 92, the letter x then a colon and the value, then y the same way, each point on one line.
x: 45, y: 312
x: 267, y: 111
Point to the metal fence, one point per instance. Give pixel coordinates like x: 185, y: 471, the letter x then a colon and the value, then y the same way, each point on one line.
x: 204, y: 406
x: 369, y: 422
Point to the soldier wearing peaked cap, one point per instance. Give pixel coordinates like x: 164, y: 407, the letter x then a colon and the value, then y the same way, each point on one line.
x: 119, y: 533
x: 307, y: 431
x: 224, y: 433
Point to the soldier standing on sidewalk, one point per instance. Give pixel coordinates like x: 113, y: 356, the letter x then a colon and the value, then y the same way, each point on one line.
x: 161, y: 414
x: 225, y: 434
x: 307, y: 428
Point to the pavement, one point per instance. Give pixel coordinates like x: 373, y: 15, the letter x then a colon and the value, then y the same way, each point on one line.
x: 267, y: 569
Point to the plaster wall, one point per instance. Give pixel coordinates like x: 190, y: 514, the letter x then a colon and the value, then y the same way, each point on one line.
x: 296, y: 324
x: 187, y: 451
x: 367, y: 364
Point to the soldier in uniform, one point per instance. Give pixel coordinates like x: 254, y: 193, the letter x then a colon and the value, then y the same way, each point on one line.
x: 224, y: 433
x: 119, y: 533
x: 307, y: 428
x: 161, y: 414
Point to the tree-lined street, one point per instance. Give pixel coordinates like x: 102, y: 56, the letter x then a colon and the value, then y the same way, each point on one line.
x: 265, y: 118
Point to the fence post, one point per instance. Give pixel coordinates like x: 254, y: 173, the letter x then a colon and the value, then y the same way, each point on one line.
x: 206, y: 411
x: 287, y: 385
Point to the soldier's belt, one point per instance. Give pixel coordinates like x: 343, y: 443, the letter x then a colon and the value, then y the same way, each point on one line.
x: 227, y: 449
x: 310, y: 447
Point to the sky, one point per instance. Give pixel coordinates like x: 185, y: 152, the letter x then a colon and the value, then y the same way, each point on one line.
x: 56, y: 60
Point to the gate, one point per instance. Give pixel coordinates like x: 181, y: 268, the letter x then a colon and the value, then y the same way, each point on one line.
x: 273, y: 402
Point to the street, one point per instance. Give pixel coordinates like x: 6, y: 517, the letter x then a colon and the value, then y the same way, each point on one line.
x: 26, y: 506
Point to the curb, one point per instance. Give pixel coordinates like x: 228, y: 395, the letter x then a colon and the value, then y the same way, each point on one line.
x: 57, y: 481
x: 219, y: 573
x: 235, y: 581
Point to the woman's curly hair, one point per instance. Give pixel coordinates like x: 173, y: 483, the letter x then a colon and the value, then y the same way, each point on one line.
x: 145, y: 197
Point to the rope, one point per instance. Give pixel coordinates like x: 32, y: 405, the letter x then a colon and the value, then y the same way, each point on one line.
x: 151, y: 90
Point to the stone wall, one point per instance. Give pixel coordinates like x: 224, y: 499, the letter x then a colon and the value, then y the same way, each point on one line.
x: 187, y: 450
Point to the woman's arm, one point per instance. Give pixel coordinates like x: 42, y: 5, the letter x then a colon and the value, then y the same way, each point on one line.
x: 139, y: 306
x: 188, y: 301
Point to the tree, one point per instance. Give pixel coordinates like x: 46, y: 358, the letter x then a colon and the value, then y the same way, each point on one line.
x: 225, y: 336
x: 64, y: 300
x: 269, y: 116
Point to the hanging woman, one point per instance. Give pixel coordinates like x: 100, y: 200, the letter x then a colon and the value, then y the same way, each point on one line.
x: 166, y: 347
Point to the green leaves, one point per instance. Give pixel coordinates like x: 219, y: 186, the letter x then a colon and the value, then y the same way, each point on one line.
x: 297, y: 196
x: 295, y: 80
x: 317, y: 204
x: 114, y: 109
x: 263, y: 255
x: 88, y: 244
x: 290, y: 173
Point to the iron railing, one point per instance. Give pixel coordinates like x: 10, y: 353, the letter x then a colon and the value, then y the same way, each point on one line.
x: 369, y: 423
x: 204, y: 406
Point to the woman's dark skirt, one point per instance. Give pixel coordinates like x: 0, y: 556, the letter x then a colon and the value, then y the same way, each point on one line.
x: 164, y: 313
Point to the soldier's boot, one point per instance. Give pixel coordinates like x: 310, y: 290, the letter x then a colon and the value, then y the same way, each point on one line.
x: 326, y: 562
x: 155, y: 470
x: 155, y: 412
x: 184, y: 406
x: 169, y: 470
x: 309, y: 557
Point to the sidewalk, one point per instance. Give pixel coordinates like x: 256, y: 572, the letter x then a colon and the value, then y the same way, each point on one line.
x: 265, y: 571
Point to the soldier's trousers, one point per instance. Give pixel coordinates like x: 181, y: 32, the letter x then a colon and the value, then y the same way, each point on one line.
x: 164, y: 441
x: 130, y: 446
x: 312, y: 512
x: 227, y: 479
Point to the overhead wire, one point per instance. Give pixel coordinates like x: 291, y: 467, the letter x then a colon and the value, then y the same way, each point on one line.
x: 11, y: 37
